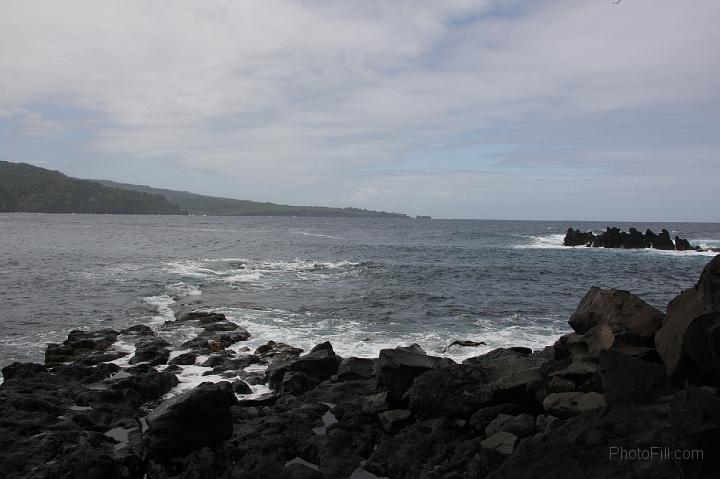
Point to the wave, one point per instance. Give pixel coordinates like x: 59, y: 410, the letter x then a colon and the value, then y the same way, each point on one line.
x: 318, y: 235
x: 161, y: 304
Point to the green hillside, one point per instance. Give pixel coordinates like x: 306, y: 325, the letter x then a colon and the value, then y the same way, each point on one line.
x: 27, y: 188
x: 211, y: 205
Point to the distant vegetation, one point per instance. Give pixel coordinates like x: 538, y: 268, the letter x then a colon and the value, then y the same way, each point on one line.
x: 210, y: 205
x: 37, y: 190
x: 27, y: 188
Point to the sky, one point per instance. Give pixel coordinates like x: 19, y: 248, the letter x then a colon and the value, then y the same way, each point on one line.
x: 509, y: 109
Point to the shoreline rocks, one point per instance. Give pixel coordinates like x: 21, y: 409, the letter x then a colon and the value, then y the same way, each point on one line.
x: 511, y: 412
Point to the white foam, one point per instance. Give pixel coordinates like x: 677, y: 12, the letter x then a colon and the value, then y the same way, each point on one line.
x: 182, y: 290
x: 318, y: 235
x: 162, y: 305
x: 243, y: 277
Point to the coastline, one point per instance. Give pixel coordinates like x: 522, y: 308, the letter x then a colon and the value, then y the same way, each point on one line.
x: 629, y: 378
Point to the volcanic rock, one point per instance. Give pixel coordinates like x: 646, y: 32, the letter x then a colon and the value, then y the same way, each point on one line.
x: 199, y: 417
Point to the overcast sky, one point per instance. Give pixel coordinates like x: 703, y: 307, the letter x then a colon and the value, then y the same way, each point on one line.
x: 511, y: 109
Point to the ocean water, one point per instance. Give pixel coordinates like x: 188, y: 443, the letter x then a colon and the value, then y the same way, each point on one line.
x: 363, y: 284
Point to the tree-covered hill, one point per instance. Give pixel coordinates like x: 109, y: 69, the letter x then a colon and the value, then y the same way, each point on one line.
x: 27, y: 188
x: 211, y: 205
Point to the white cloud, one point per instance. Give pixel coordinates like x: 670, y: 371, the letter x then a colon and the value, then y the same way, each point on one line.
x: 304, y: 87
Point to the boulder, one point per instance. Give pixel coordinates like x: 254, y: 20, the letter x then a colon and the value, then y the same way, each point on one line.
x: 318, y: 365
x: 79, y: 343
x: 398, y: 368
x: 394, y: 420
x: 502, y: 443
x: 199, y: 417
x: 627, y: 379
x: 277, y: 352
x: 688, y: 340
x: 459, y: 390
x: 631, y: 319
x: 356, y: 368
x: 565, y: 405
x: 203, y: 317
x: 153, y: 351
x: 374, y: 403
x: 484, y: 416
x: 184, y: 359
x: 241, y: 387
x: 522, y: 425
x: 138, y: 330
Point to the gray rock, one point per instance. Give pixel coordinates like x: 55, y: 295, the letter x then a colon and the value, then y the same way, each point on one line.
x: 394, y: 420
x: 199, y: 417
x: 626, y: 314
x: 565, y: 405
x: 689, y: 340
x: 502, y: 443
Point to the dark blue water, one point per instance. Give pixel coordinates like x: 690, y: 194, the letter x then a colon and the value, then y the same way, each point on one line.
x: 362, y: 283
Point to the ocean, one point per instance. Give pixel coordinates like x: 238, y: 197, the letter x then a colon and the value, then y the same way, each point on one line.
x: 363, y: 284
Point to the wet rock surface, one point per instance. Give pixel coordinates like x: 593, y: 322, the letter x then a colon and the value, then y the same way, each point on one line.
x: 277, y: 412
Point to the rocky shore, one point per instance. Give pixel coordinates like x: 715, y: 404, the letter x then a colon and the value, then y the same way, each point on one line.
x: 629, y: 378
x: 633, y: 239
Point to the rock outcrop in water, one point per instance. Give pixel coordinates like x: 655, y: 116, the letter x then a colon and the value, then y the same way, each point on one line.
x: 615, y: 238
x: 569, y: 410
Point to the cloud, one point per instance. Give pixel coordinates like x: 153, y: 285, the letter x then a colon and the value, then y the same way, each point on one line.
x: 313, y: 92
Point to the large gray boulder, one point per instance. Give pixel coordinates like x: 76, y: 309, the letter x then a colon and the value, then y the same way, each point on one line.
x: 630, y: 318
x: 459, y: 390
x: 197, y: 418
x: 398, y: 368
x: 689, y: 339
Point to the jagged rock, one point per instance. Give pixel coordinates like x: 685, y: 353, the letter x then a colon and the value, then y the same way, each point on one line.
x: 79, y: 343
x: 682, y: 244
x: 560, y: 385
x: 356, y: 368
x: 564, y: 405
x: 318, y: 365
x: 138, y: 330
x: 484, y: 416
x: 689, y: 339
x: 630, y: 318
x: 215, y: 341
x: 398, y: 368
x: 375, y: 403
x: 661, y: 241
x: 578, y: 238
x: 498, y: 353
x: 522, y: 425
x: 464, y: 343
x: 394, y: 420
x: 241, y: 387
x: 184, y: 359
x: 22, y: 370
x: 502, y: 443
x: 221, y: 326
x: 297, y: 383
x: 459, y: 390
x: 203, y: 317
x: 277, y: 352
x: 153, y: 351
x: 628, y: 379
x: 199, y: 417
